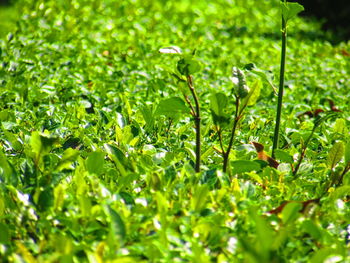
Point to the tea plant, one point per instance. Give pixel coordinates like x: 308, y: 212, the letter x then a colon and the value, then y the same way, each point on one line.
x: 186, y: 67
x: 98, y: 138
x: 244, y: 96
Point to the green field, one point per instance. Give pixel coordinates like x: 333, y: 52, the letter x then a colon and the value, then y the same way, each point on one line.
x: 103, y: 107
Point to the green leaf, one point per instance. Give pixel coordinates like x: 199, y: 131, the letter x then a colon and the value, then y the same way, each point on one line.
x: 188, y: 66
x: 347, y: 153
x: 290, y: 10
x: 291, y: 212
x: 7, y: 171
x: 264, y: 232
x: 340, y: 126
x: 59, y: 194
x: 147, y: 114
x: 218, y: 103
x: 340, y: 192
x: 5, y: 234
x: 46, y: 199
x: 117, y: 225
x: 325, y: 253
x: 118, y: 158
x: 172, y: 107
x: 42, y: 144
x: 244, y: 166
x: 94, y: 162
x: 283, y: 156
x: 265, y: 76
x: 254, y: 92
x: 69, y: 156
x: 199, y: 198
x: 335, y: 154
x: 312, y: 229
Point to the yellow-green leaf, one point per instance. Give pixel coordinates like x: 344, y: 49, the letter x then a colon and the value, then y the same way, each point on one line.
x: 335, y: 154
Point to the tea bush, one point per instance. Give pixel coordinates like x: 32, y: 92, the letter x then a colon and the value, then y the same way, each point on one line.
x: 97, y: 143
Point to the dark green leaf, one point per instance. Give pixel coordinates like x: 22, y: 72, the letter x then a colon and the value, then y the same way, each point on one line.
x: 5, y: 234
x: 46, y: 199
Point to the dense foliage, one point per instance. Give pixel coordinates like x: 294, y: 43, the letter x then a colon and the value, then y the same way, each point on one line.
x: 97, y: 142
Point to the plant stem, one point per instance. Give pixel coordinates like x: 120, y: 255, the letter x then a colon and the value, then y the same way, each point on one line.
x: 233, y: 131
x: 280, y: 89
x: 345, y: 171
x: 197, y: 120
x: 303, y: 150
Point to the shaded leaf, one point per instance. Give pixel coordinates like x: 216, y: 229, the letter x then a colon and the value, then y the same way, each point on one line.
x: 5, y: 234
x: 46, y: 199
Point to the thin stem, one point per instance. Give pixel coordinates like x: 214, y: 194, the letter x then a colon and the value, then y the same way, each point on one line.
x: 346, y: 170
x: 220, y: 140
x: 280, y: 89
x: 302, y: 154
x: 192, y: 112
x: 233, y: 131
x: 197, y: 120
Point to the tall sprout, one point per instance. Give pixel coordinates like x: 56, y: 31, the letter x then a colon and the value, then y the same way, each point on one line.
x: 289, y: 10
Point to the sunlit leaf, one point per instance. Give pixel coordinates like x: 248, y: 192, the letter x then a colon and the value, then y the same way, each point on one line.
x: 172, y: 107
x: 199, y: 198
x: 117, y: 225
x: 188, y: 65
x: 254, y: 92
x: 291, y: 212
x: 283, y: 156
x: 244, y: 166
x: 218, y: 103
x: 335, y: 154
x: 347, y: 152
x: 95, y: 162
x: 69, y: 156
x: 290, y: 10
